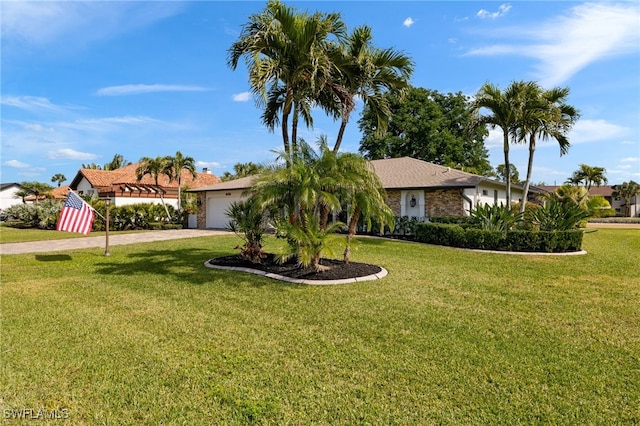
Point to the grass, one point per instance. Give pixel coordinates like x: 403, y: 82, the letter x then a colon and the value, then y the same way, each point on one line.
x: 15, y: 234
x: 150, y: 336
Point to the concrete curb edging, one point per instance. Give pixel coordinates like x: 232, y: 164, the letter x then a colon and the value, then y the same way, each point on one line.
x: 383, y: 273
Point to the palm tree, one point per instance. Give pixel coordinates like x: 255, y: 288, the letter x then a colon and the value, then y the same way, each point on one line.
x: 154, y: 167
x: 175, y: 165
x: 286, y: 54
x: 117, y: 162
x: 503, y: 108
x: 543, y: 114
x: 33, y: 188
x: 589, y: 175
x: 369, y: 73
x: 626, y: 191
x: 58, y: 177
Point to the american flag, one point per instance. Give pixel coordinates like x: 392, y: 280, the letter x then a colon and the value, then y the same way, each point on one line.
x: 76, y: 215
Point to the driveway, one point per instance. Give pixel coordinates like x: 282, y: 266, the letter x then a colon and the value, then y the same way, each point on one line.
x: 114, y: 240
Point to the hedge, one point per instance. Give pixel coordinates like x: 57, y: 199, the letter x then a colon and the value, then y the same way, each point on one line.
x: 520, y: 240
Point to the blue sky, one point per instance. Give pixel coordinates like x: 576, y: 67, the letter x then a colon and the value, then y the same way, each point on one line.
x: 81, y: 82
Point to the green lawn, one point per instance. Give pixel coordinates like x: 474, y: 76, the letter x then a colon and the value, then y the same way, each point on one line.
x: 150, y: 336
x: 12, y: 234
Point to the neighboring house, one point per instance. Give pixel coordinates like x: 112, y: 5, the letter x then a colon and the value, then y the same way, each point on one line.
x: 618, y: 204
x: 122, y: 187
x: 415, y: 188
x: 8, y: 195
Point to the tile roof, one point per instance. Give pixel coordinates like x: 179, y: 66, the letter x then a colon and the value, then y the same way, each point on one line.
x: 242, y: 183
x: 605, y: 191
x: 127, y: 175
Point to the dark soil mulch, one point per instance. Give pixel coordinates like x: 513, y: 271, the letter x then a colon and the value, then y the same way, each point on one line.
x: 338, y: 270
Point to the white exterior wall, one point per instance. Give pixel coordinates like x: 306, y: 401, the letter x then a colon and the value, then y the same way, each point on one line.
x: 485, y: 194
x: 405, y: 203
x: 7, y: 197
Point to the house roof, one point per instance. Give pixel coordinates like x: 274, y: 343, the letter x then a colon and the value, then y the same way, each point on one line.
x: 395, y: 173
x: 605, y: 191
x: 127, y: 175
x: 4, y: 186
x: 407, y: 172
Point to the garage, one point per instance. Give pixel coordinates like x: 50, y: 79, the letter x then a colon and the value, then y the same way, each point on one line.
x: 218, y: 203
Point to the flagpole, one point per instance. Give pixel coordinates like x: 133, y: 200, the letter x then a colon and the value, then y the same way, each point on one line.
x: 107, y: 202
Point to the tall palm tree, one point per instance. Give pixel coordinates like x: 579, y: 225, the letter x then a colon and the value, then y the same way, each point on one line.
x: 286, y: 54
x: 369, y: 73
x: 503, y: 114
x: 543, y: 114
x: 59, y: 178
x: 626, y: 191
x: 175, y: 165
x: 154, y: 167
x: 117, y: 162
x: 589, y: 175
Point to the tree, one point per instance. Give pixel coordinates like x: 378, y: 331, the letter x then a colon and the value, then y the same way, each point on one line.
x: 33, y: 188
x: 589, y: 176
x: 286, y: 54
x: 173, y: 169
x: 542, y: 114
x: 626, y: 191
x: 117, y: 162
x: 514, y: 176
x: 92, y: 166
x: 430, y: 126
x: 369, y: 73
x: 59, y: 178
x: 503, y: 108
x: 154, y: 167
x: 243, y: 170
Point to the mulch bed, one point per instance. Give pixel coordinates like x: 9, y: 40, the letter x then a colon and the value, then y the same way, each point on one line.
x: 338, y: 270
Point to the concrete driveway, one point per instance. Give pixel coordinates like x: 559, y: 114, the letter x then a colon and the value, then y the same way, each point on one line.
x: 114, y: 240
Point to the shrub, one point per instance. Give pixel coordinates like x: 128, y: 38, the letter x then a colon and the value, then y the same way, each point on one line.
x: 247, y: 221
x: 43, y: 215
x: 558, y: 215
x: 495, y: 217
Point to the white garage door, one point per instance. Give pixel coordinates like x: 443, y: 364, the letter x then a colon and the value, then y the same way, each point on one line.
x: 217, y: 206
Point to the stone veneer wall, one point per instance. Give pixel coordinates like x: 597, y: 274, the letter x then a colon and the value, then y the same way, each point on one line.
x: 444, y: 202
x: 202, y: 210
x: 393, y: 201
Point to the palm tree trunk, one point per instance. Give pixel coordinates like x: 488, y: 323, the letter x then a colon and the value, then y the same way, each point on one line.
x: 353, y: 222
x: 343, y: 126
x: 532, y: 149
x: 507, y: 166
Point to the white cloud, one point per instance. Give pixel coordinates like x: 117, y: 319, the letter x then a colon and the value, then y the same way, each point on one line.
x: 242, y: 97
x: 70, y: 154
x: 43, y: 23
x: 628, y: 143
x: 630, y: 160
x: 136, y: 89
x: 503, y: 9
x: 595, y: 130
x: 408, y: 22
x: 208, y: 164
x: 16, y: 164
x: 30, y: 103
x: 564, y: 45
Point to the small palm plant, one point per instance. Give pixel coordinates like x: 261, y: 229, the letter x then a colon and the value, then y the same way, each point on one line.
x: 558, y: 215
x: 495, y: 217
x: 247, y: 221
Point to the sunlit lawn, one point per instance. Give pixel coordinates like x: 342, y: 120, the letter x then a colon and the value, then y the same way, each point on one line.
x: 150, y: 336
x: 12, y: 234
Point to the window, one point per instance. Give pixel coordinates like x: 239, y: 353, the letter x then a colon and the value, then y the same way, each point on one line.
x: 485, y: 192
x: 495, y: 196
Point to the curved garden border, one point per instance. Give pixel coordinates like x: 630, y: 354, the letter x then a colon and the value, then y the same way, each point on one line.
x: 383, y: 273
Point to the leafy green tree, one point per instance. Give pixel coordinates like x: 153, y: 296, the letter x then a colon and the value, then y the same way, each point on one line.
x: 501, y: 173
x: 173, y: 169
x: 36, y: 189
x: 154, y: 167
x: 543, y: 114
x: 287, y: 55
x: 117, y: 162
x: 429, y: 126
x: 589, y: 176
x: 626, y: 191
x: 92, y: 166
x: 59, y: 178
